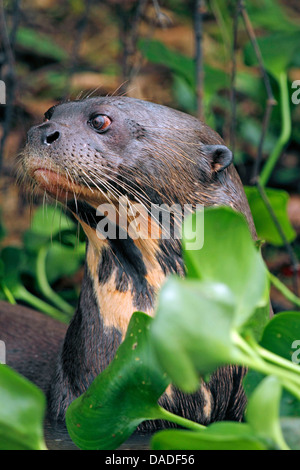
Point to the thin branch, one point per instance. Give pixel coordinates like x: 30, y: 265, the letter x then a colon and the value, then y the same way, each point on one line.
x: 198, y: 31
x: 266, y: 119
x: 288, y: 247
x: 130, y: 22
x: 9, y: 77
x: 78, y: 37
x: 270, y: 98
x: 265, y: 125
x: 285, y: 132
x: 233, y: 77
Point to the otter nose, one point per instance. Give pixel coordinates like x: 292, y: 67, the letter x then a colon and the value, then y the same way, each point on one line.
x: 49, y: 135
x: 46, y: 134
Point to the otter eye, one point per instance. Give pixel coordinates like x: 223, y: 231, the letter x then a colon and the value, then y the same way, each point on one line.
x: 99, y: 122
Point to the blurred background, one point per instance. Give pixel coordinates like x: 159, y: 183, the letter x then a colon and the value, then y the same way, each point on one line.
x: 234, y: 64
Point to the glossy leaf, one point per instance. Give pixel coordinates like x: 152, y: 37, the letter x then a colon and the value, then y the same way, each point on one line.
x: 263, y: 411
x: 229, y: 256
x: 282, y: 336
x: 48, y: 221
x: 264, y: 224
x: 191, y: 332
x: 276, y: 59
x: 62, y: 261
x: 122, y: 396
x: 22, y: 407
x: 218, y: 436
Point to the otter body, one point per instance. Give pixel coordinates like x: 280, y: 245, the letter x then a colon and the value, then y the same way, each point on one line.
x: 94, y: 152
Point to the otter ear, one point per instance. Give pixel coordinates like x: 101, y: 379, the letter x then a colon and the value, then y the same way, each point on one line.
x: 219, y: 156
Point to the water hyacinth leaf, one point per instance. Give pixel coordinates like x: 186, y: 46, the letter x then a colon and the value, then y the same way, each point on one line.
x: 259, y: 319
x: 228, y: 256
x: 262, y: 412
x: 49, y: 221
x: 289, y: 406
x: 282, y: 336
x: 122, y: 396
x: 264, y: 224
x: 13, y: 262
x: 22, y: 408
x: 191, y: 331
x: 218, y: 436
x: 62, y: 261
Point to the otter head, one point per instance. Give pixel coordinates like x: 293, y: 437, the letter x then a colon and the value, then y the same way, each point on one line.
x: 105, y: 147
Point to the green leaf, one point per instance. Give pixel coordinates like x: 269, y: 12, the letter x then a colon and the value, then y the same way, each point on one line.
x: 218, y: 436
x: 13, y: 264
x: 279, y: 51
x: 282, y: 336
x: 122, y: 396
x: 22, y: 407
x: 184, y: 94
x: 262, y: 411
x: 62, y: 261
x: 13, y: 259
x: 271, y: 22
x: 40, y: 44
x: 289, y: 406
x: 191, y: 331
x: 48, y: 221
x: 264, y: 224
x: 258, y: 320
x: 157, y: 52
x: 228, y: 256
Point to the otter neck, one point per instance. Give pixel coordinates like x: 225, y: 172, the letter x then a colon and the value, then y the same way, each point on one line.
x: 126, y: 274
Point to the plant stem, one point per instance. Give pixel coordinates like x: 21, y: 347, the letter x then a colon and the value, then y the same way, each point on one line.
x: 45, y: 287
x: 288, y: 379
x: 246, y: 348
x: 186, y: 423
x: 23, y: 294
x: 288, y: 294
x: 285, y: 129
x: 8, y: 294
x: 274, y: 358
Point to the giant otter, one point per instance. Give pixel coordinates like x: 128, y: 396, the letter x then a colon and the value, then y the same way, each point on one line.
x: 93, y: 151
